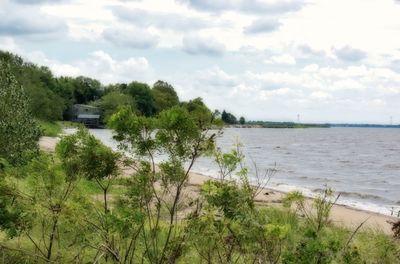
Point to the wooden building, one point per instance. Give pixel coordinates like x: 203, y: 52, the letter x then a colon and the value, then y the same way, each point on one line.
x: 86, y: 114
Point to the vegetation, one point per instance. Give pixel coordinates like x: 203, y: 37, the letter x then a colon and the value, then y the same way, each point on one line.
x: 112, y: 101
x: 164, y: 96
x: 50, y: 129
x: 77, y: 206
x: 19, y: 132
x: 51, y: 98
x: 228, y: 118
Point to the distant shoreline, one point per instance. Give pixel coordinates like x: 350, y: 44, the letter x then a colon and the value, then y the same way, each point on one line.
x: 305, y: 125
x: 260, y: 124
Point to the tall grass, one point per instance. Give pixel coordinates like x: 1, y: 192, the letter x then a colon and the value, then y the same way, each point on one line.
x: 50, y: 129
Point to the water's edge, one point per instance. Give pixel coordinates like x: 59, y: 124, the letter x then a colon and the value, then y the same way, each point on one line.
x: 353, y: 197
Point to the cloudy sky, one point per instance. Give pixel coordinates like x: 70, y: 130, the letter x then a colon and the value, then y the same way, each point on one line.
x: 329, y: 61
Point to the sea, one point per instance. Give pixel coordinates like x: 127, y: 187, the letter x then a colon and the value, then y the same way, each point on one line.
x: 362, y: 164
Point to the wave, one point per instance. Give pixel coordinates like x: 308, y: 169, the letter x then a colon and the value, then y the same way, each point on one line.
x: 317, y: 179
x: 363, y: 196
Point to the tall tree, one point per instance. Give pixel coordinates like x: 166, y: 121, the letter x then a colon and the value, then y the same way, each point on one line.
x: 19, y: 132
x: 112, y: 101
x: 164, y: 96
x: 40, y: 86
x: 86, y: 90
x: 141, y: 93
x: 228, y: 118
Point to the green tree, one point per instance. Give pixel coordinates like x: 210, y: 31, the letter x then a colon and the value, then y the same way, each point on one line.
x: 228, y: 118
x: 242, y: 121
x: 164, y: 96
x: 52, y: 189
x: 201, y: 113
x: 40, y: 86
x: 183, y: 137
x: 65, y: 87
x: 143, y: 97
x: 19, y: 132
x: 86, y: 90
x: 112, y: 101
x: 91, y: 159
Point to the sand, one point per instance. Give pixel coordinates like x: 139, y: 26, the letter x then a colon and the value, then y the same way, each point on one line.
x: 341, y: 215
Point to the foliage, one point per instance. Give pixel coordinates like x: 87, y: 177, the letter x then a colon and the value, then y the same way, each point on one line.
x: 13, y: 218
x: 40, y: 87
x: 114, y: 100
x: 50, y: 129
x: 51, y: 189
x: 242, y: 121
x: 141, y: 92
x: 50, y: 97
x: 86, y: 89
x: 183, y: 138
x: 19, y: 131
x: 164, y: 96
x: 228, y: 118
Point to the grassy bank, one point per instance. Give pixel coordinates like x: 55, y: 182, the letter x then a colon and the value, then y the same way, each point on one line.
x: 54, y: 129
x: 50, y: 129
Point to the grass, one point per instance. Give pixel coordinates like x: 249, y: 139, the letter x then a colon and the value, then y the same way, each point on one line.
x: 372, y: 247
x: 50, y: 129
x: 54, y: 129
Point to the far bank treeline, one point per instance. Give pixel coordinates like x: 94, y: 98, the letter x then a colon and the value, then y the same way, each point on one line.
x: 51, y: 98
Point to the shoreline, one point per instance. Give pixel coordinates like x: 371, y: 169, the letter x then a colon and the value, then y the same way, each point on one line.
x: 340, y: 214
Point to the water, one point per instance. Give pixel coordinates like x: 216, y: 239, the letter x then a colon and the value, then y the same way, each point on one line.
x: 361, y: 163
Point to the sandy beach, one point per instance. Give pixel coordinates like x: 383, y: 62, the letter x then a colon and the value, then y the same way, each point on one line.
x: 340, y: 214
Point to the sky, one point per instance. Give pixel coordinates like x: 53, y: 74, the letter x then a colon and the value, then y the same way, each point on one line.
x: 327, y: 61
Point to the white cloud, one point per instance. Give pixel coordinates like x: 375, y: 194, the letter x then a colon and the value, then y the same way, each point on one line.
x: 164, y: 20
x: 348, y: 53
x: 252, y: 6
x: 102, y: 66
x: 131, y: 37
x: 8, y: 44
x: 37, y: 2
x: 319, y: 93
x: 18, y: 20
x: 262, y: 26
x: 216, y: 77
x: 311, y: 68
x: 199, y: 45
x: 98, y: 64
x: 282, y: 59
